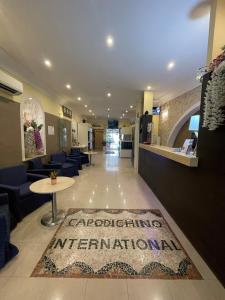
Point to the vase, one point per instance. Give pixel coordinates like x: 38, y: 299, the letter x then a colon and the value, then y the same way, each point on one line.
x: 29, y: 144
x: 53, y: 181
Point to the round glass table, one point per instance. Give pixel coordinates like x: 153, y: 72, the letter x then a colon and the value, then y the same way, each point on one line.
x: 44, y: 186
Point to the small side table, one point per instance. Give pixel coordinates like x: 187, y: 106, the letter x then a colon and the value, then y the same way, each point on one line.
x: 44, y: 186
x: 90, y: 153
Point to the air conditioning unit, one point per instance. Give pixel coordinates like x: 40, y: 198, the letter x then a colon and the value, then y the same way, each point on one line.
x: 9, y: 84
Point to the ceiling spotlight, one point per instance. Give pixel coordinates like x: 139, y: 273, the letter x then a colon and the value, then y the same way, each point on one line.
x: 108, y: 109
x: 93, y: 114
x: 171, y: 65
x: 131, y: 106
x: 149, y: 87
x: 109, y: 95
x: 68, y: 86
x: 85, y: 106
x: 90, y: 111
x: 47, y: 63
x: 109, y: 41
x: 123, y: 115
x: 79, y: 98
x: 30, y: 98
x: 126, y: 111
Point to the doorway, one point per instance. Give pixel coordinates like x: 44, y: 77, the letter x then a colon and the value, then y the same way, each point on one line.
x: 112, y: 139
x: 98, y: 139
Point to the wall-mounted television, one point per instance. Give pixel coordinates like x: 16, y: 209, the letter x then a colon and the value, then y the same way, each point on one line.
x: 194, y: 123
x: 112, y: 124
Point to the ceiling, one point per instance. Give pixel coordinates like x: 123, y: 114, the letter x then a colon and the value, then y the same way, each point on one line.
x: 148, y: 34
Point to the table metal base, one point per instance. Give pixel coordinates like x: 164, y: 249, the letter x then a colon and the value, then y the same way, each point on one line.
x: 55, y: 216
x: 48, y: 220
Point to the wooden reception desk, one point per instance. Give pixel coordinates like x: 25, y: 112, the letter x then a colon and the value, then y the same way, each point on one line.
x: 182, y: 158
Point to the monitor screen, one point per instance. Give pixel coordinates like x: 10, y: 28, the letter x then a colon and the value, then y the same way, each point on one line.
x: 194, y: 123
x: 112, y: 124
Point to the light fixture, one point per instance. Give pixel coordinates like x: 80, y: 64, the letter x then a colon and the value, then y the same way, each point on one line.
x: 68, y: 86
x: 93, y: 114
x: 131, y: 106
x: 90, y: 111
x: 30, y: 98
x: 126, y: 111
x: 108, y: 109
x: 85, y: 106
x: 149, y: 87
x: 123, y: 115
x: 48, y: 63
x: 171, y: 65
x: 109, y: 41
x: 109, y: 95
x: 79, y: 98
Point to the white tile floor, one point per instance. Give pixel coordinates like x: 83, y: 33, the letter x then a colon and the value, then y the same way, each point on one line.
x: 111, y: 183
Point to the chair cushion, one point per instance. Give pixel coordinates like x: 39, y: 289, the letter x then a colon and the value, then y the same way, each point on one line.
x: 25, y: 190
x: 14, y: 176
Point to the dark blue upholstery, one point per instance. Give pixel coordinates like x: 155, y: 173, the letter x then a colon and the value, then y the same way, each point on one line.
x: 69, y: 166
x: 7, y: 250
x: 15, y: 182
x: 36, y: 167
x: 84, y: 157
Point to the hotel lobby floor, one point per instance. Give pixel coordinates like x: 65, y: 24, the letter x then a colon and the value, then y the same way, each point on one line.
x: 110, y: 183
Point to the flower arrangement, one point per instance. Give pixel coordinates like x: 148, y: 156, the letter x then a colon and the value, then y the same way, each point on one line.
x: 34, y: 129
x: 53, y: 176
x: 214, y: 101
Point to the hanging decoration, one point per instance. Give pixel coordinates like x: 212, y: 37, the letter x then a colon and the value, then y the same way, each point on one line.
x: 214, y: 101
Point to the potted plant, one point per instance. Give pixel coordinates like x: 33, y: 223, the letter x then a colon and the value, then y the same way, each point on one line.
x: 53, y: 176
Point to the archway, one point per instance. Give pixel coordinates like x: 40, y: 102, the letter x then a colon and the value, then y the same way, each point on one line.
x: 184, y: 118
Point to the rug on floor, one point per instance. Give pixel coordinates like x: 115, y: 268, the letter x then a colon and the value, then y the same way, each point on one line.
x: 115, y: 243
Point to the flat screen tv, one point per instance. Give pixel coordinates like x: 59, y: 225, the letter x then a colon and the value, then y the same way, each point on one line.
x: 112, y: 124
x: 194, y: 123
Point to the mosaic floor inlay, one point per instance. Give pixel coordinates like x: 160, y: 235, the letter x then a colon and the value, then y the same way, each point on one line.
x: 115, y: 243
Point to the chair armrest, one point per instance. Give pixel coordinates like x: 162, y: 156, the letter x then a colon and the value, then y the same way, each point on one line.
x: 13, y: 197
x: 35, y: 177
x: 73, y: 161
x: 4, y: 199
x: 45, y: 172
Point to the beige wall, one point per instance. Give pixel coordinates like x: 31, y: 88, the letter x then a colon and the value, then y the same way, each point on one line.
x: 172, y: 111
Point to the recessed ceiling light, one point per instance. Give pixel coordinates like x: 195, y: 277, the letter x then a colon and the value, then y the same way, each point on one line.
x: 79, y: 98
x: 109, y: 41
x: 123, y: 115
x: 90, y: 111
x: 126, y: 111
x: 93, y: 114
x: 108, y: 109
x: 109, y: 95
x: 171, y: 65
x: 30, y: 98
x: 131, y: 106
x: 85, y: 106
x: 47, y: 63
x: 149, y: 87
x: 68, y: 86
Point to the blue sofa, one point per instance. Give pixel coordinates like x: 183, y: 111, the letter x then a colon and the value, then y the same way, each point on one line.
x: 77, y: 153
x: 7, y: 250
x: 69, y: 166
x: 37, y: 167
x: 15, y: 181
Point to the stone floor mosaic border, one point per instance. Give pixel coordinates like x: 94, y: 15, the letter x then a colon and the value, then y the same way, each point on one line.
x: 117, y: 269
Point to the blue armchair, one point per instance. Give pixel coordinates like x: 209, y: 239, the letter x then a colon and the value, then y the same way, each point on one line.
x: 69, y: 167
x: 7, y: 250
x: 84, y: 157
x: 37, y: 167
x: 16, y: 182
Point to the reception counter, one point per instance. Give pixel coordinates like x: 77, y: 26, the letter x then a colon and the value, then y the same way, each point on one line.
x: 182, y: 158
